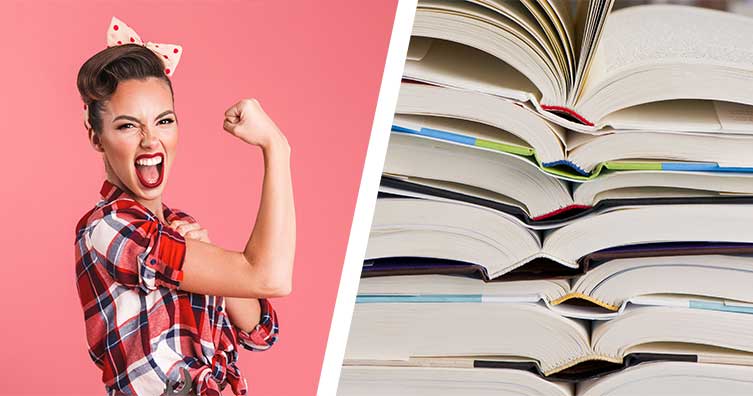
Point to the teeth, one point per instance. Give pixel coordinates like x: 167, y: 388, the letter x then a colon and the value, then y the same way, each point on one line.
x: 149, y: 161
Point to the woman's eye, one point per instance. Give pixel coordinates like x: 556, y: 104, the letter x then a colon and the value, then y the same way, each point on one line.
x: 169, y: 121
x: 126, y: 126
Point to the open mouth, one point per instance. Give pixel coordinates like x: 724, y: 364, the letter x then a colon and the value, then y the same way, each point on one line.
x: 149, y: 169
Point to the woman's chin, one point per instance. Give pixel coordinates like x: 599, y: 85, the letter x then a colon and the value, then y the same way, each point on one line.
x: 151, y: 193
x: 146, y: 191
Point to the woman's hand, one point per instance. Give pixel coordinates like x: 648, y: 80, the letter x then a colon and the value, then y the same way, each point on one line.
x: 247, y: 121
x: 190, y: 230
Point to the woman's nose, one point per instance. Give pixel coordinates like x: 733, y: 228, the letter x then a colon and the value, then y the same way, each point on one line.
x: 148, y: 139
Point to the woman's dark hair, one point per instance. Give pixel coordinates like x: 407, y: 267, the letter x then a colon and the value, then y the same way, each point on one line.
x: 99, y: 76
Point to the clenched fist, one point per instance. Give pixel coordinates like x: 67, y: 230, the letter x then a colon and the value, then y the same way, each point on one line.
x: 247, y: 121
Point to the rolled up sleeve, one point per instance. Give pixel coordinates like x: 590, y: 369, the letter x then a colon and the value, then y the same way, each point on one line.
x: 136, y: 251
x: 264, y: 335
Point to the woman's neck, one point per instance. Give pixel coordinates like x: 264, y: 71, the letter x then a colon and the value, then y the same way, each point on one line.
x: 154, y: 206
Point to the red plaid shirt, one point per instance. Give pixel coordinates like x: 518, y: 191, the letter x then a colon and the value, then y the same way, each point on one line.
x: 140, y: 327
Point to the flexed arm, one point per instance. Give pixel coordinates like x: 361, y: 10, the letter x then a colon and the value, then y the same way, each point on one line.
x: 271, y: 246
x: 265, y: 267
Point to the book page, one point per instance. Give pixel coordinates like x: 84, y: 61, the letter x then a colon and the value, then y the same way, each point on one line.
x: 472, y: 129
x: 418, y: 48
x: 672, y: 378
x: 553, y: 36
x: 590, y: 27
x: 656, y: 35
x: 734, y: 116
x: 506, y: 17
x: 515, y: 12
x: 480, y: 71
x: 564, y: 13
x: 478, y: 27
x: 685, y: 115
x: 559, y: 12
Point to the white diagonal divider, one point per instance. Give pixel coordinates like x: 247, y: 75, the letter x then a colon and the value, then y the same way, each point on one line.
x: 367, y: 193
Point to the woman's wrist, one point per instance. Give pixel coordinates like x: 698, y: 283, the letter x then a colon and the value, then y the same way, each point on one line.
x: 276, y: 146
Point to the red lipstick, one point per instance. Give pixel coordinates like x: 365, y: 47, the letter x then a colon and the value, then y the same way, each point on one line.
x: 146, y: 174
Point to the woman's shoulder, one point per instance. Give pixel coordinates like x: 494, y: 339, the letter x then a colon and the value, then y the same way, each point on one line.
x: 180, y: 214
x: 123, y: 207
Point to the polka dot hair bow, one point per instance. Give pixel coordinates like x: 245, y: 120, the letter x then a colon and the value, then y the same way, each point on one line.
x: 119, y: 33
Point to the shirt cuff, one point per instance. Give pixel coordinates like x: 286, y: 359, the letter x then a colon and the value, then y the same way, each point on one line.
x: 264, y: 335
x: 163, y: 261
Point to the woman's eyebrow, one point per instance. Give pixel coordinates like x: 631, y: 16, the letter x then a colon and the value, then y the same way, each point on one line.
x: 126, y: 117
x: 134, y: 119
x: 164, y: 113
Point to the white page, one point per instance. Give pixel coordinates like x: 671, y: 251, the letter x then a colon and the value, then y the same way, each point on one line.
x: 643, y: 36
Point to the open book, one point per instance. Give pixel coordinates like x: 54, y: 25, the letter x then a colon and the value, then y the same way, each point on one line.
x: 714, y: 282
x: 655, y: 378
x: 533, y: 337
x: 493, y: 241
x: 493, y: 123
x: 659, y: 67
x: 516, y: 185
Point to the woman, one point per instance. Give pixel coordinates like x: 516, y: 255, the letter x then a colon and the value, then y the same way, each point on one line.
x: 160, y: 300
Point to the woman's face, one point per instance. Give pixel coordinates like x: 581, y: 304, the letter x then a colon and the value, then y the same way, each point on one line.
x: 139, y: 136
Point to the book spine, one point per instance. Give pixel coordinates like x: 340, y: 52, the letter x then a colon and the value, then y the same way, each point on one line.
x: 569, y: 112
x: 569, y: 164
x: 560, y: 211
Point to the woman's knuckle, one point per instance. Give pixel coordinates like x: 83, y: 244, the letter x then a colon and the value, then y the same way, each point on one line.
x: 251, y: 102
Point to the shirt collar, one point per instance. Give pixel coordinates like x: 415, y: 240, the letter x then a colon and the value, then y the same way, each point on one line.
x: 111, y: 192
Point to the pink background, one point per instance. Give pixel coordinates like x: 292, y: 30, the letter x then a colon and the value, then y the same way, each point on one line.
x: 315, y: 67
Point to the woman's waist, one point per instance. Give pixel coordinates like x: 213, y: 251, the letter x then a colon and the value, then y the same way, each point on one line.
x: 191, y: 377
x: 205, y: 374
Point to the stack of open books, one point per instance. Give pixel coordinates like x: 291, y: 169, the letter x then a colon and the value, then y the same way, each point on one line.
x: 566, y: 206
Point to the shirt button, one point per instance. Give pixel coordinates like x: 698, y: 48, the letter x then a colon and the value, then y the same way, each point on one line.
x: 153, y: 261
x: 219, y: 308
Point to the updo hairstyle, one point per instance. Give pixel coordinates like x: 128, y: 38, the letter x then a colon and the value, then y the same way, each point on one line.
x: 99, y: 76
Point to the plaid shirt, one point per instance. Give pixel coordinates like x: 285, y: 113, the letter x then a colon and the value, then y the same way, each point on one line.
x: 140, y: 327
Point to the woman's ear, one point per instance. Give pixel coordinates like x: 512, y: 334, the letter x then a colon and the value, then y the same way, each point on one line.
x: 95, y: 141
